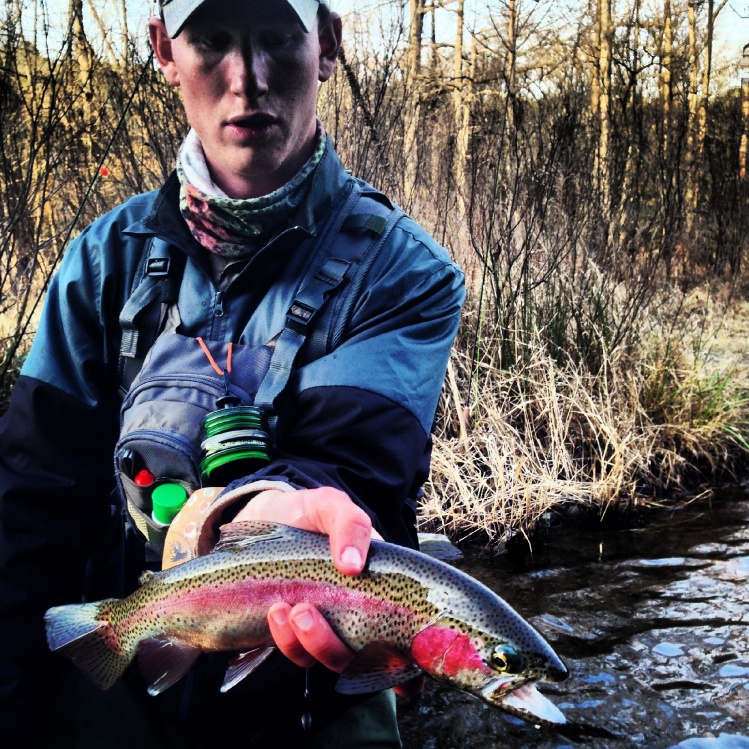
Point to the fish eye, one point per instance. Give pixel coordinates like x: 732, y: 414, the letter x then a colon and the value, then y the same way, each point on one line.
x: 507, y: 660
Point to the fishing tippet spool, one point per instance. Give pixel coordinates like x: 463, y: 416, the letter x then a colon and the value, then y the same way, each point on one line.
x: 234, y: 443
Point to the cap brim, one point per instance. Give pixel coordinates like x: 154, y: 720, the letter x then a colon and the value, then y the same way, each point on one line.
x: 176, y: 13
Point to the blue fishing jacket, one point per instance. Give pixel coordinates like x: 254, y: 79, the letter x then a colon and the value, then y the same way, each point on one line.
x: 358, y: 418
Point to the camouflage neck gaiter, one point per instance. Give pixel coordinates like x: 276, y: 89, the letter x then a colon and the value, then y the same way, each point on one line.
x: 229, y: 227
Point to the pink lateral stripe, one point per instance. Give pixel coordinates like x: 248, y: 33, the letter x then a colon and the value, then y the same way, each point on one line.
x: 260, y: 594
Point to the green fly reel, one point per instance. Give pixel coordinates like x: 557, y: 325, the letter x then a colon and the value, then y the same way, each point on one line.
x: 234, y: 443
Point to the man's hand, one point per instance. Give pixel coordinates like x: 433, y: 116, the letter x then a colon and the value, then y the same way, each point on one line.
x: 300, y: 632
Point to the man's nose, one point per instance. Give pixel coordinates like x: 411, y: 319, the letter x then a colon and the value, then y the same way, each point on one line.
x: 249, y: 71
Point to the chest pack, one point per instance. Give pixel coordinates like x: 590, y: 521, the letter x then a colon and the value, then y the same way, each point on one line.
x: 175, y: 387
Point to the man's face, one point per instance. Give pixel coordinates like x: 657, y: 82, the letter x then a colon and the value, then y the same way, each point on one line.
x: 248, y: 73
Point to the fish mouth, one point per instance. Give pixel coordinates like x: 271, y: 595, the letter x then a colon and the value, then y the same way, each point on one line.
x: 524, y: 701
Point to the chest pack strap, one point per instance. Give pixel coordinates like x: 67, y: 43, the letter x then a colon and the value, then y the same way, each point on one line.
x: 156, y: 287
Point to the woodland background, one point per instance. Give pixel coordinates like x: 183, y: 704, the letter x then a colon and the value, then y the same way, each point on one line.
x: 584, y: 163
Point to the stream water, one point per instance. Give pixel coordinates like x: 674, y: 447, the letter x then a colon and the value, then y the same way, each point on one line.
x: 652, y: 620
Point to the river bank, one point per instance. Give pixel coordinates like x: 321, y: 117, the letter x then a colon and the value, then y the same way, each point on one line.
x: 652, y: 619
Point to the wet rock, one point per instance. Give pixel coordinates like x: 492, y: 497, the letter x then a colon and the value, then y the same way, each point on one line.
x: 668, y: 649
x: 724, y: 741
x: 736, y: 704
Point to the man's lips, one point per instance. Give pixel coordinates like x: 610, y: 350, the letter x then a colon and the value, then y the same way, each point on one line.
x: 252, y: 128
x: 256, y: 121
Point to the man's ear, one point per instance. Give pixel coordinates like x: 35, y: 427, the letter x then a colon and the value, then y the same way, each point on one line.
x: 330, y: 34
x: 162, y: 48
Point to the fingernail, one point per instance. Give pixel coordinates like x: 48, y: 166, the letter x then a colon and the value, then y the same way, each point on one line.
x: 304, y: 621
x: 351, y: 557
x: 279, y: 617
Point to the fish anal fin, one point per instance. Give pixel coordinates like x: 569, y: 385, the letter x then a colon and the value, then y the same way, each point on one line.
x: 243, y: 664
x: 377, y: 666
x: 164, y: 662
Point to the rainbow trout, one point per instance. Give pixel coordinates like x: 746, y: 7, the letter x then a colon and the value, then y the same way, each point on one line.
x: 405, y: 614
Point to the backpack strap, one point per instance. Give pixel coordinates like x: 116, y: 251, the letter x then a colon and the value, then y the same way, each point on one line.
x: 373, y: 221
x: 358, y: 237
x: 154, y: 290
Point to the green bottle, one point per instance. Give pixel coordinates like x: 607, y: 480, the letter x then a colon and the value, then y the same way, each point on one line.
x: 166, y: 501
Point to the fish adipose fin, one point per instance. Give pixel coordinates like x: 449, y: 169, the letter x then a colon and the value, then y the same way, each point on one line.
x: 165, y: 662
x: 375, y: 667
x: 243, y: 665
x: 82, y: 633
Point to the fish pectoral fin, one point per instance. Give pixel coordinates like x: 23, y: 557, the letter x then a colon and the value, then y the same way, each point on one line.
x: 164, y: 662
x: 243, y: 664
x: 377, y: 666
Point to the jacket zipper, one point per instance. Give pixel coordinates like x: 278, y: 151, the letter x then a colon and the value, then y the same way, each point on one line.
x: 218, y: 307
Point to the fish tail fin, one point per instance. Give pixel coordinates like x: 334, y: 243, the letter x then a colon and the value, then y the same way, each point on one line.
x: 84, y: 633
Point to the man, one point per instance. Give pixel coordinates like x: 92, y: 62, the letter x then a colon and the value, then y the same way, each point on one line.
x: 256, y: 180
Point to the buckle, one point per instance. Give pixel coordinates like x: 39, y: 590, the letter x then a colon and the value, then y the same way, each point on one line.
x: 158, y: 267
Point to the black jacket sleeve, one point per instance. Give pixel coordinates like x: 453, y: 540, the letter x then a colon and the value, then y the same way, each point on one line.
x: 55, y: 480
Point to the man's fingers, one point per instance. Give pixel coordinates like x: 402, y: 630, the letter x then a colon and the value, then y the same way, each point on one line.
x: 318, y: 639
x: 284, y: 636
x: 304, y: 637
x: 325, y: 510
x: 347, y: 525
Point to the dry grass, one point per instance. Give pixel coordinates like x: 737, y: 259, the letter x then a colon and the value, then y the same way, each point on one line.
x: 542, y: 436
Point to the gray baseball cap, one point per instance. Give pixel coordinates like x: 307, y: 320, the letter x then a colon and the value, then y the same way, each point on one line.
x: 176, y: 12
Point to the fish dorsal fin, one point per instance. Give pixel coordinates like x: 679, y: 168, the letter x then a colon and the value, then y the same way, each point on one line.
x: 239, y: 535
x: 243, y: 664
x: 377, y: 666
x: 164, y: 662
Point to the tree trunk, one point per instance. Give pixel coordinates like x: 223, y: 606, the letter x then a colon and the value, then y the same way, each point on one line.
x: 626, y: 214
x: 80, y: 53
x: 125, y: 32
x: 511, y: 65
x: 512, y: 47
x: 693, y: 107
x: 415, y: 33
x: 701, y: 137
x: 411, y: 146
x: 666, y: 85
x: 604, y: 110
x: 114, y: 59
x: 461, y: 115
x: 595, y: 87
x: 744, y: 146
